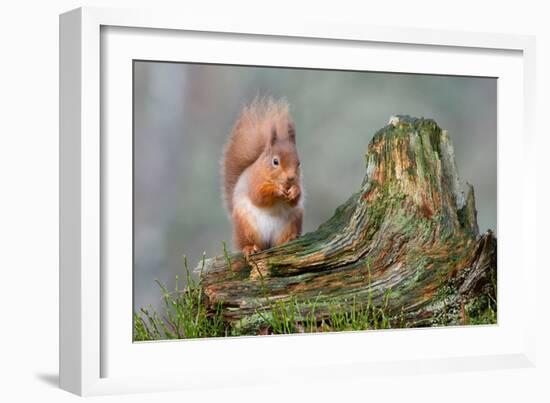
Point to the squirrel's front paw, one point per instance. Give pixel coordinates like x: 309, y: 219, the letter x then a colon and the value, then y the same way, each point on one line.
x: 280, y: 192
x: 250, y: 249
x: 293, y: 194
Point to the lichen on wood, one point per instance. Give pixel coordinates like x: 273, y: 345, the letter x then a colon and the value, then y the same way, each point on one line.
x: 407, y: 240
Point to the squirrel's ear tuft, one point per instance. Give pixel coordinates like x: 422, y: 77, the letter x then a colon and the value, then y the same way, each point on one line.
x: 273, y: 137
x: 291, y: 132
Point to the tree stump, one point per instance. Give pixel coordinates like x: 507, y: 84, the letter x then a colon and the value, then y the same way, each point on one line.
x: 407, y: 240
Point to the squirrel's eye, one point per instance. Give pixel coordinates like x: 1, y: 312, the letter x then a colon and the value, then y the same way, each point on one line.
x: 276, y: 161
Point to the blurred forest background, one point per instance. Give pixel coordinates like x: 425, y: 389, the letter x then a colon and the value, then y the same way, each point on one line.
x: 183, y: 114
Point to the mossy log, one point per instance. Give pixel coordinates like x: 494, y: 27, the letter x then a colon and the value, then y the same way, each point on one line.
x: 407, y: 240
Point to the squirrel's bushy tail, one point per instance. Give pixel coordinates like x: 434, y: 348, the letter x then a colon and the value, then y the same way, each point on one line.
x: 248, y: 139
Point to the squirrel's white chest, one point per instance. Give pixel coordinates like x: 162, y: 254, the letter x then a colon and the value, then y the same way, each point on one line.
x: 269, y: 222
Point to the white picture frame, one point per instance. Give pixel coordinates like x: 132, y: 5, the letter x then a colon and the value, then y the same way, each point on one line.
x: 96, y: 357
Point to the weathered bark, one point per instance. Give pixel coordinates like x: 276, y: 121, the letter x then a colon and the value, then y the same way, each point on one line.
x: 408, y: 240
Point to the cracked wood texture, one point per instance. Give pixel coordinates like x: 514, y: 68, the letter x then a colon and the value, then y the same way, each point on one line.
x: 407, y: 240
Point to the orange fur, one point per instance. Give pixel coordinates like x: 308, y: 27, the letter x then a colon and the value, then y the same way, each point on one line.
x: 261, y: 157
x: 245, y: 234
x: 263, y: 193
x: 293, y: 229
x: 249, y: 137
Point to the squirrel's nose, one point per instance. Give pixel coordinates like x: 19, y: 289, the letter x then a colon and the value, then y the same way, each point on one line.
x: 290, y: 178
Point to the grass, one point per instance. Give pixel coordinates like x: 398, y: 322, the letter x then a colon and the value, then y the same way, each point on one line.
x: 293, y: 316
x: 183, y: 314
x: 482, y: 311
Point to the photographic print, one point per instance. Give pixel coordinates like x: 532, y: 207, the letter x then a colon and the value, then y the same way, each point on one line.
x: 273, y: 200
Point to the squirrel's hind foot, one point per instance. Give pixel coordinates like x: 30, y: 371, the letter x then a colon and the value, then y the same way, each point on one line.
x: 250, y: 250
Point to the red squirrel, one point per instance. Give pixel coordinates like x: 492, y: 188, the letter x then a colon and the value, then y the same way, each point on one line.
x: 262, y: 177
